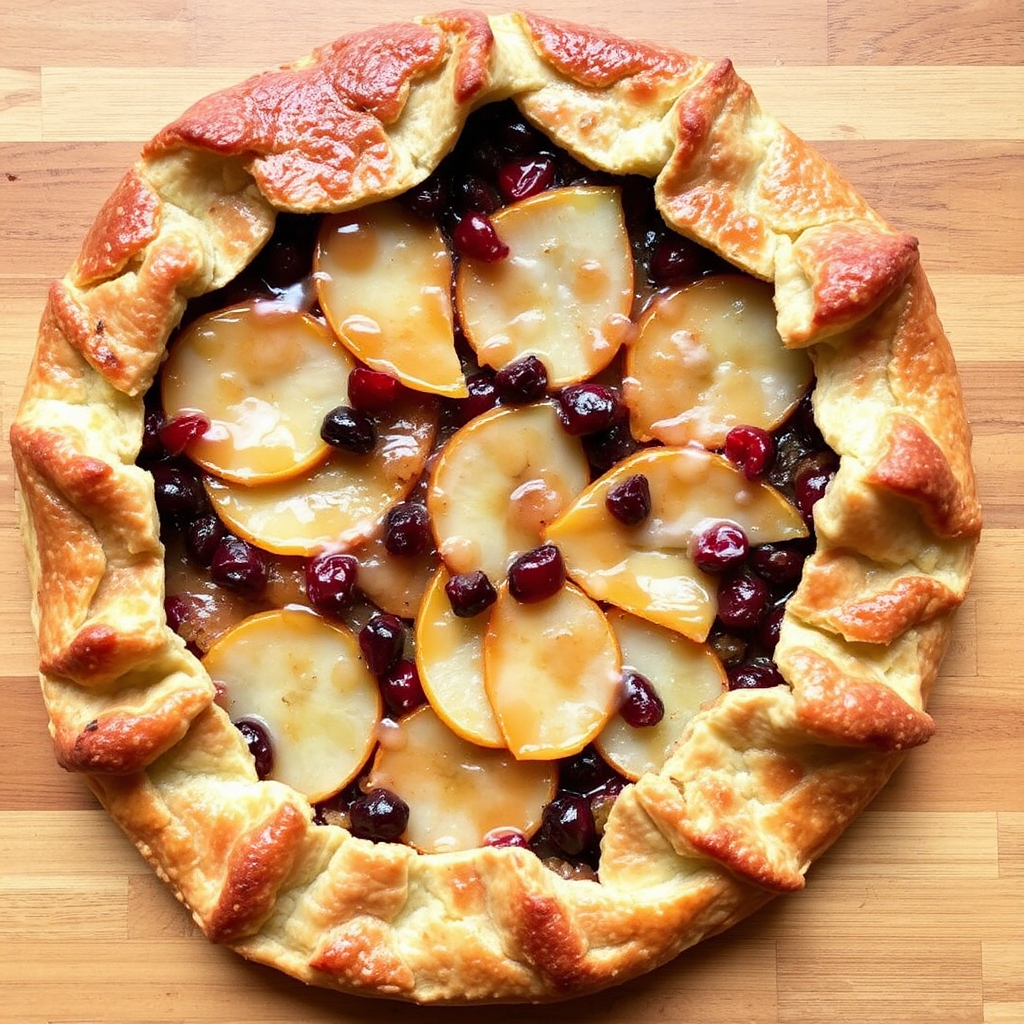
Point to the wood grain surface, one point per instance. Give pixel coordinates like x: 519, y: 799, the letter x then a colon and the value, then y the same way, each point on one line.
x: 917, y: 915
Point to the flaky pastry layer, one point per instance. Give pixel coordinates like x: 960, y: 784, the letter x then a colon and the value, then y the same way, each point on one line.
x: 761, y: 783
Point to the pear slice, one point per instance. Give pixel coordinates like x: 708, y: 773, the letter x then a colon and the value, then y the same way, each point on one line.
x: 685, y: 675
x: 552, y: 671
x: 458, y: 793
x: 647, y: 569
x: 304, y: 680
x: 501, y: 479
x: 450, y: 660
x: 709, y: 358
x: 565, y: 291
x: 383, y: 278
x: 340, y: 503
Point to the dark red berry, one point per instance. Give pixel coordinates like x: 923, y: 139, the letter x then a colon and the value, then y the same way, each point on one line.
x: 152, y: 449
x: 779, y: 564
x: 537, y: 574
x: 345, y: 427
x: 525, y: 380
x: 177, y: 609
x: 526, y: 177
x: 641, y: 706
x: 470, y: 593
x: 568, y: 823
x: 754, y: 675
x: 239, y: 566
x: 401, y: 688
x: 742, y: 600
x: 719, y: 546
x: 750, y: 448
x: 585, y: 773
x: 676, y: 259
x: 258, y: 740
x: 407, y: 529
x: 473, y: 193
x: 202, y: 535
x: 811, y: 478
x: 382, y: 641
x: 380, y: 815
x: 179, y: 494
x: 476, y: 238
x: 630, y: 501
x: 330, y: 581
x: 586, y: 408
x: 609, y: 447
x: 770, y: 627
x: 483, y: 395
x: 427, y: 199
x: 372, y: 390
x: 502, y: 837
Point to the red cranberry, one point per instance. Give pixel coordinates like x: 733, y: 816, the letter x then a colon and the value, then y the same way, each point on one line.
x: 676, y: 259
x: 754, y: 675
x: 179, y: 494
x: 345, y: 427
x: 152, y: 449
x: 609, y: 447
x: 401, y: 688
x: 177, y: 609
x: 779, y: 564
x: 470, y: 593
x: 630, y: 501
x: 526, y: 177
x: 202, y: 535
x: 586, y: 773
x: 750, y: 448
x: 380, y: 815
x: 239, y: 566
x: 482, y: 396
x: 811, y: 479
x: 382, y: 641
x: 771, y: 625
x: 523, y: 381
x: 586, y: 408
x: 502, y: 837
x: 407, y: 529
x: 568, y: 823
x: 641, y: 706
x: 742, y: 600
x: 719, y: 546
x: 537, y: 574
x: 258, y: 740
x: 476, y: 238
x: 330, y: 581
x: 372, y: 390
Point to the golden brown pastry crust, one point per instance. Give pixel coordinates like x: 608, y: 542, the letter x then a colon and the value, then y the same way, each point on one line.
x: 761, y: 782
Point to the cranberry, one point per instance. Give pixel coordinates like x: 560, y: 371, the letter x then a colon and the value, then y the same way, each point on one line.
x: 719, y: 546
x: 630, y: 501
x: 239, y: 566
x: 476, y: 238
x: 179, y: 494
x: 586, y: 773
x: 330, y: 581
x: 770, y: 627
x: 742, y: 600
x: 811, y: 478
x: 380, y: 815
x: 427, y: 199
x: 258, y: 740
x: 202, y: 535
x: 586, y: 408
x: 676, y: 259
x: 537, y: 574
x: 407, y: 529
x: 526, y: 177
x: 502, y: 837
x: 345, y: 427
x: 482, y: 396
x: 754, y: 675
x: 641, y: 706
x: 472, y: 193
x: 523, y: 381
x: 609, y: 447
x: 177, y: 610
x: 152, y: 449
x: 372, y: 390
x: 401, y: 688
x: 569, y: 823
x: 469, y: 593
x: 779, y: 564
x: 382, y: 641
x: 179, y: 432
x: 750, y: 448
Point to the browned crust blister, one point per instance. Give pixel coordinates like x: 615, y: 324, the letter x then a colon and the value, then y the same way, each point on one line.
x: 761, y: 782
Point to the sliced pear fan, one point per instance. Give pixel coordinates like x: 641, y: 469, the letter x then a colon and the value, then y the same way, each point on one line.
x: 564, y: 292
x: 501, y: 479
x: 458, y: 793
x: 304, y: 680
x: 552, y: 671
x: 341, y: 502
x: 709, y: 358
x: 686, y: 675
x: 383, y: 279
x: 265, y: 377
x: 647, y: 569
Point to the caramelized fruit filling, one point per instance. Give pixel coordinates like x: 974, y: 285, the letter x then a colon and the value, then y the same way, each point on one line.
x: 473, y: 498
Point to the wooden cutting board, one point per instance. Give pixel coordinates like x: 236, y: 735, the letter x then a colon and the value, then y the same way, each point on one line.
x: 917, y: 915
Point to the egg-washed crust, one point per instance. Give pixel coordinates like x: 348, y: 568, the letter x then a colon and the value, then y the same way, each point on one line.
x: 761, y: 782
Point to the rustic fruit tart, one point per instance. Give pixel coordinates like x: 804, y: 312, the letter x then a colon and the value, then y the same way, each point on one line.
x: 495, y: 501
